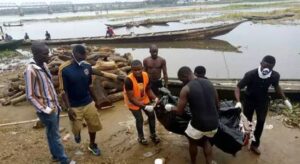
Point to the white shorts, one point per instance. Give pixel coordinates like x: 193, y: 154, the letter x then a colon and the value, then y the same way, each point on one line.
x: 197, y: 134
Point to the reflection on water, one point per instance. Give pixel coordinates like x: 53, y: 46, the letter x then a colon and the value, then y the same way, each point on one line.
x: 209, y: 44
x: 255, y: 40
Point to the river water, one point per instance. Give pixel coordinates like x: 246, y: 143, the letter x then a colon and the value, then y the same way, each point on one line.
x: 228, y: 56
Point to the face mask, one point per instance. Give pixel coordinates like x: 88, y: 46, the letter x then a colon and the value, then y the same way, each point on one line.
x: 265, y: 73
x: 79, y: 63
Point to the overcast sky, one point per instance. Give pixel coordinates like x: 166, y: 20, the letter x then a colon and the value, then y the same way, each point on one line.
x: 74, y: 1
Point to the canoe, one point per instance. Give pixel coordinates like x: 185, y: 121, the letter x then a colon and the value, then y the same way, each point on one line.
x: 12, y: 24
x: 268, y: 17
x: 225, y: 88
x: 178, y: 35
x: 147, y: 22
x: 10, y: 45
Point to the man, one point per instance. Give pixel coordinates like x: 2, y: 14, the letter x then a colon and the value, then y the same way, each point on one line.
x: 203, y: 101
x: 41, y: 94
x: 200, y: 72
x: 137, y: 96
x: 154, y: 65
x: 258, y: 82
x: 26, y: 37
x: 8, y: 37
x: 75, y: 78
x: 109, y: 32
x: 48, y: 36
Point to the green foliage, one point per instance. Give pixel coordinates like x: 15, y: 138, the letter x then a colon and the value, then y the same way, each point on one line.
x: 7, y: 54
x: 292, y: 116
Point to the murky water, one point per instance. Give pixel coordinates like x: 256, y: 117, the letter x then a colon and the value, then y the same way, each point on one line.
x: 228, y: 56
x: 255, y: 41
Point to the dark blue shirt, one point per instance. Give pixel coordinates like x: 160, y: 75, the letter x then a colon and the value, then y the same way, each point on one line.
x: 76, y: 82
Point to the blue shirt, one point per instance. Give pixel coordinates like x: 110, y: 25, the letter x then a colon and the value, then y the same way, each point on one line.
x: 75, y: 80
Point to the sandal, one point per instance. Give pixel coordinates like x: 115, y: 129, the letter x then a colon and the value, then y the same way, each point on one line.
x: 143, y: 141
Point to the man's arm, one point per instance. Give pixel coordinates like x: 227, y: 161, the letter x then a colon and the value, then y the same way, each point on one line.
x: 280, y: 92
x: 243, y: 83
x: 145, y: 65
x: 92, y: 92
x: 65, y: 97
x: 277, y: 87
x: 133, y: 100
x: 237, y: 94
x: 30, y: 79
x: 165, y: 73
x: 182, y: 100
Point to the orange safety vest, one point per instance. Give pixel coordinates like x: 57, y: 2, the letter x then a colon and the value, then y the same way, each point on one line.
x: 137, y: 91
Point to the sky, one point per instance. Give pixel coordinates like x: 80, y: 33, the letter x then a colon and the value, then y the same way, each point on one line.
x: 74, y: 1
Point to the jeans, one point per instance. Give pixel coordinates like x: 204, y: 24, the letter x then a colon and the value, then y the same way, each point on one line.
x: 51, y: 122
x: 261, y: 109
x: 139, y: 121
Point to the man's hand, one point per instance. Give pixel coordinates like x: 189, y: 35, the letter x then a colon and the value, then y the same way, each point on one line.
x: 49, y: 110
x: 149, y: 108
x: 121, y: 77
x: 156, y: 101
x: 71, y: 114
x: 169, y: 107
x: 238, y: 105
x: 288, y: 104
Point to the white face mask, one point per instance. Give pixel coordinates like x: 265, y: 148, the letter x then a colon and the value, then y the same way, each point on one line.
x: 79, y: 63
x: 265, y: 73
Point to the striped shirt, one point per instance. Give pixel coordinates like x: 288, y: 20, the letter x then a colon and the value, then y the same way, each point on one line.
x: 40, y: 90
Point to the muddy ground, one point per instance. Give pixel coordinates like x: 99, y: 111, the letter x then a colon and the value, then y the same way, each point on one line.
x: 118, y: 141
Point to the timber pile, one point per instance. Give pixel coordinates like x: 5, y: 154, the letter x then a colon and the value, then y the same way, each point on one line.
x: 108, y: 88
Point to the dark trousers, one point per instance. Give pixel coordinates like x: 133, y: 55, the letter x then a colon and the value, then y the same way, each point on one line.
x: 139, y: 121
x: 155, y: 85
x: 261, y: 109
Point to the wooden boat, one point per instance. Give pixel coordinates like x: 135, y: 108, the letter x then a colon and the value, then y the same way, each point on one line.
x: 12, y: 24
x: 10, y: 45
x: 147, y: 22
x: 225, y: 88
x: 207, y: 44
x: 188, y: 34
x: 268, y: 17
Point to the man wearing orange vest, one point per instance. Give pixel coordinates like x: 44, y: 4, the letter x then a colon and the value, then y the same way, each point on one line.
x: 137, y: 96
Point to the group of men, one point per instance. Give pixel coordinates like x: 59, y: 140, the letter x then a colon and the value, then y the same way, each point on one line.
x: 141, y: 94
x: 47, y: 36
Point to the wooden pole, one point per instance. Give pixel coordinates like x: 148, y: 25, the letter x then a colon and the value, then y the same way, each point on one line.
x: 25, y: 122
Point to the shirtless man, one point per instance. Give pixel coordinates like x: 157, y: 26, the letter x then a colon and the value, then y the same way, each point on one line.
x: 153, y: 65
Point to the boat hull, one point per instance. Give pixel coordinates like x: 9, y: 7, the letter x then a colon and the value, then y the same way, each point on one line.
x: 189, y: 34
x: 226, y: 87
x: 10, y: 45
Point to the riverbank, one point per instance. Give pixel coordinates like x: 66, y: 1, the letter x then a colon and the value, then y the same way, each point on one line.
x: 118, y: 142
x: 206, y: 13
